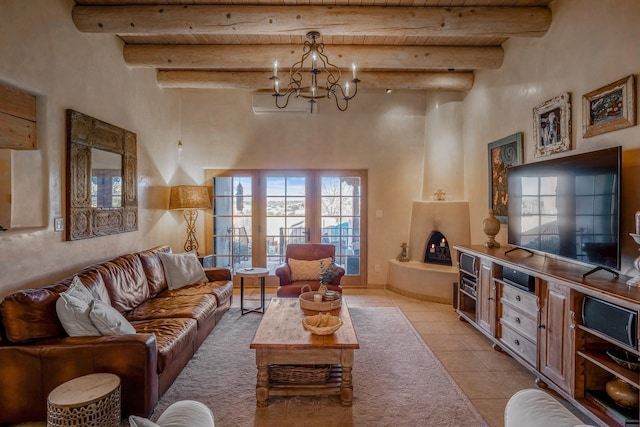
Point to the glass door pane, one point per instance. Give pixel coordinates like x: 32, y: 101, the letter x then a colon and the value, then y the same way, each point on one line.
x: 232, y: 221
x: 340, y: 201
x: 286, y: 215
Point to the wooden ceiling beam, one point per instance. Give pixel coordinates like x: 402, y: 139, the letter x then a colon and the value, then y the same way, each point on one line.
x: 254, y: 80
x: 261, y: 57
x: 330, y: 20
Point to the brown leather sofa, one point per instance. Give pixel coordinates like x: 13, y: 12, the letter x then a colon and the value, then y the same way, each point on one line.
x: 36, y: 354
x: 305, y: 252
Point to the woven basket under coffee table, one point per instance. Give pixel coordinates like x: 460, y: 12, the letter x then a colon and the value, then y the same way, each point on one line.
x: 89, y: 401
x: 299, y: 374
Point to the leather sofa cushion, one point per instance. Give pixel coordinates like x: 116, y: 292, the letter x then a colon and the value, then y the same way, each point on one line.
x: 173, y: 336
x: 198, y: 307
x: 221, y: 289
x: 92, y: 279
x: 217, y: 274
x: 154, y: 270
x: 30, y: 314
x: 125, y: 281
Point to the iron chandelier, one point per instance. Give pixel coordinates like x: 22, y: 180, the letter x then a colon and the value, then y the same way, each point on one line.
x: 319, y: 64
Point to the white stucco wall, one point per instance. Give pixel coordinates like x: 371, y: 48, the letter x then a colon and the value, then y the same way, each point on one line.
x: 590, y: 44
x: 381, y: 133
x: 42, y: 53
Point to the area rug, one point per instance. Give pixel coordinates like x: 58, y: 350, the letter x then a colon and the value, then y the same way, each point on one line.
x: 397, y: 380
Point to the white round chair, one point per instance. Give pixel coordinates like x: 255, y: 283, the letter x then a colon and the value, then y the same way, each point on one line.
x: 185, y: 413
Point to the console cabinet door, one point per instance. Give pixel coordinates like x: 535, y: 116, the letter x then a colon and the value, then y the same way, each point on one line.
x: 554, y: 343
x: 486, y: 298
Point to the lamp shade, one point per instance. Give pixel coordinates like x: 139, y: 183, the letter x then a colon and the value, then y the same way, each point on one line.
x: 189, y: 197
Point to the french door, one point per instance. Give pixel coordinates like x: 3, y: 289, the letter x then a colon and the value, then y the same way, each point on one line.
x: 256, y: 214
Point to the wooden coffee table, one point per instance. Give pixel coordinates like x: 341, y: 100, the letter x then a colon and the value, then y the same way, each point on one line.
x: 282, y: 340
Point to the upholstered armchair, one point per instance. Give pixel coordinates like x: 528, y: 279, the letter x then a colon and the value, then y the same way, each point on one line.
x: 299, y: 270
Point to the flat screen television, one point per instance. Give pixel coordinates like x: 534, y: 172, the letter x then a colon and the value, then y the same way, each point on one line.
x: 568, y: 207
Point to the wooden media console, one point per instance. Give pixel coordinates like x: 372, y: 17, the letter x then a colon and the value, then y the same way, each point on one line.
x: 531, y: 306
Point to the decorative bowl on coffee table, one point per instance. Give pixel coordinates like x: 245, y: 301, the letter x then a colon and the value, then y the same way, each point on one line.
x: 322, y: 323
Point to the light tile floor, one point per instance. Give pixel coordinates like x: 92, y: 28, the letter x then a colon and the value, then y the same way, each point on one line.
x: 488, y: 377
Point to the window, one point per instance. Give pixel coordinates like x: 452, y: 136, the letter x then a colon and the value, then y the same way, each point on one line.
x: 233, y: 221
x: 258, y: 213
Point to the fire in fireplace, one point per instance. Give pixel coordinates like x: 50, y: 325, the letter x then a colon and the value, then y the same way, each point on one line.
x: 437, y: 250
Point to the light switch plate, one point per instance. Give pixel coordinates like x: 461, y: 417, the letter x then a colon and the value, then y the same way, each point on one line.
x: 58, y: 224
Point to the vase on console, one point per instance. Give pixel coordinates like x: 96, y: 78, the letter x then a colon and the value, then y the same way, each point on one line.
x: 491, y: 227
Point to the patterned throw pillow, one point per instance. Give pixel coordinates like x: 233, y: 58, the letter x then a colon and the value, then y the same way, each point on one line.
x: 307, y: 270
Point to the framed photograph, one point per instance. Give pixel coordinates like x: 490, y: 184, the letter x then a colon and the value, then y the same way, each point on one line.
x: 609, y: 108
x: 552, y: 126
x: 503, y: 153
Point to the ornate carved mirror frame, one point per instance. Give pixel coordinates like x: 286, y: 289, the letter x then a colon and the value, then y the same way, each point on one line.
x: 84, y: 134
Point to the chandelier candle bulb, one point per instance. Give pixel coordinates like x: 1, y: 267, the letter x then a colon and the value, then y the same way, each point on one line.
x: 346, y: 89
x: 353, y: 71
x: 275, y: 69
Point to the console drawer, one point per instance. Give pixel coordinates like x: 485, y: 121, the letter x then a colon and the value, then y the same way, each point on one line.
x: 519, y: 299
x: 520, y: 322
x: 519, y: 343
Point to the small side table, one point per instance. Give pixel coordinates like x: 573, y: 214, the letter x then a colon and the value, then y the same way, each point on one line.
x: 91, y: 401
x: 262, y: 274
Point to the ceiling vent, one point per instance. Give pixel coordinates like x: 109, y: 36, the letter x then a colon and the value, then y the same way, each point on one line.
x: 263, y: 102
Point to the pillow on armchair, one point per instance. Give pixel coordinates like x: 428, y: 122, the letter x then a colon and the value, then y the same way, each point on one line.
x: 307, y: 270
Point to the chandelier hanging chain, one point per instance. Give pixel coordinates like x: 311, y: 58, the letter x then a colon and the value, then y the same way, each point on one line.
x: 319, y: 63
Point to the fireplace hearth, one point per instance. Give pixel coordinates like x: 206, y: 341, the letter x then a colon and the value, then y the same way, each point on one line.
x: 437, y: 250
x: 430, y: 275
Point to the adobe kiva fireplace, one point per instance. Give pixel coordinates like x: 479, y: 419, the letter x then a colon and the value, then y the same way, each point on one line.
x: 437, y: 250
x: 436, y: 226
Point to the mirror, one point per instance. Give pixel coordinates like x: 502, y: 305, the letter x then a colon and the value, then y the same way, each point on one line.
x: 106, y: 179
x: 102, y: 193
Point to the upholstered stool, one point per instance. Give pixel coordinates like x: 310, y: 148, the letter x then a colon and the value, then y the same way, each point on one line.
x: 89, y: 401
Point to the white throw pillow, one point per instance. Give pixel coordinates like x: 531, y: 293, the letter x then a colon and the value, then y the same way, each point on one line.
x: 182, y: 269
x: 307, y: 270
x: 79, y: 290
x: 108, y: 320
x: 73, y: 313
x: 185, y: 413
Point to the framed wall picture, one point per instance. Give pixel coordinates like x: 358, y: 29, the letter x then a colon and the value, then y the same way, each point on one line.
x: 503, y: 153
x: 552, y: 126
x: 609, y: 108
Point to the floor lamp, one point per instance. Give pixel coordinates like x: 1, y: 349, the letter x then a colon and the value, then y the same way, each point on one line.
x: 190, y: 198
